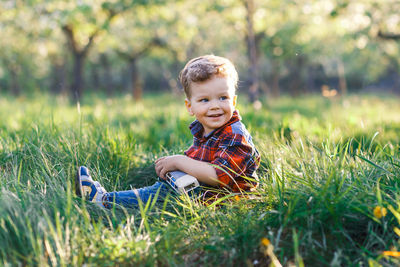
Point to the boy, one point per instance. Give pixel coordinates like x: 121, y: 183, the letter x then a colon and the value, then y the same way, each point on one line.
x: 222, y: 155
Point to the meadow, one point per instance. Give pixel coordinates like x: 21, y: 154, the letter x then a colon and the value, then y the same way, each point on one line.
x: 328, y: 196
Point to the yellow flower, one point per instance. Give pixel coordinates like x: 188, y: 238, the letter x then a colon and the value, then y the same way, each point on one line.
x: 380, y: 212
x: 391, y: 253
x: 237, y: 198
x: 265, y: 242
x: 268, y: 250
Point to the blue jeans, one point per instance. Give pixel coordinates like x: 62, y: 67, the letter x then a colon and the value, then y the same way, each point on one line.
x: 130, y: 198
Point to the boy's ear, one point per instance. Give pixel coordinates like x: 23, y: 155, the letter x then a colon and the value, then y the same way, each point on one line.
x: 234, y: 100
x: 189, y: 107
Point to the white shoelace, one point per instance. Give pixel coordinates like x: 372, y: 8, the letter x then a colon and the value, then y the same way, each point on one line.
x: 99, y: 188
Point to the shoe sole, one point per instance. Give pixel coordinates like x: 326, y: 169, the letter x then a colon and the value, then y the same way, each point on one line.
x: 78, y: 186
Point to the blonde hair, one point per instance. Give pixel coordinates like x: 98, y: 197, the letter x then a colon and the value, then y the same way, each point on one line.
x: 204, y: 68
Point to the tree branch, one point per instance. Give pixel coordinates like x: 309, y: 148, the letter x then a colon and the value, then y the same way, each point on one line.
x: 89, y: 44
x: 388, y: 36
x: 70, y: 38
x: 154, y: 42
x: 68, y: 30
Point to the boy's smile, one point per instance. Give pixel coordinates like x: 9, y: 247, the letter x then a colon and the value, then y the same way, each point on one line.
x: 212, y: 102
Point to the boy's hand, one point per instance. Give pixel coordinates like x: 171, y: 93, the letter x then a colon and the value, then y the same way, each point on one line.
x: 167, y: 164
x: 203, y: 171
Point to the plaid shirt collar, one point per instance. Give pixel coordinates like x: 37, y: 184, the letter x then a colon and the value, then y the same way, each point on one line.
x: 197, y: 129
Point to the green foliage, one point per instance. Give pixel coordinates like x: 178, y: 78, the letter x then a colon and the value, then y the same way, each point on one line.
x: 326, y: 165
x: 41, y: 38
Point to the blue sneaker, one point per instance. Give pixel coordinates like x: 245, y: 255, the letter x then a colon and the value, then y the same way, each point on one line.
x: 87, y: 188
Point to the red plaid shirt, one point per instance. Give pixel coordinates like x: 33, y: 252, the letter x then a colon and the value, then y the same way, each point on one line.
x: 230, y: 150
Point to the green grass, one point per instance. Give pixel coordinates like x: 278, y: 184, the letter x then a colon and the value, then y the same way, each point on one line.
x: 326, y: 164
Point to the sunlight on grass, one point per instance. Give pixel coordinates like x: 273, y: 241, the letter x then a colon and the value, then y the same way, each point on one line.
x: 328, y: 194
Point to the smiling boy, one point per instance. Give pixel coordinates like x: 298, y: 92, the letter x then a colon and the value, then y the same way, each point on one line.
x: 222, y: 154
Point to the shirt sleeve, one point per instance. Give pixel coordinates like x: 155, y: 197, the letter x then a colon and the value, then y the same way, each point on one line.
x: 234, y: 162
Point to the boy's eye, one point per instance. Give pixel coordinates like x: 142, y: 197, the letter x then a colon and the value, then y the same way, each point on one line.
x: 203, y: 100
x: 223, y: 98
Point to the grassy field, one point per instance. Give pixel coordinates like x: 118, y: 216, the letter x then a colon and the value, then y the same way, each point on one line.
x: 329, y: 185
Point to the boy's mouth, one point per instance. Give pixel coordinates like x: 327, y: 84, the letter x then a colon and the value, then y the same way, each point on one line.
x: 215, y: 115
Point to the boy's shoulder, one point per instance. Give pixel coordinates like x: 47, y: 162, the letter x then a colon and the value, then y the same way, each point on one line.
x: 236, y: 128
x: 234, y: 125
x: 237, y: 132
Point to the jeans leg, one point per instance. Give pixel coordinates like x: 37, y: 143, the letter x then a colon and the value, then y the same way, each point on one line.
x: 130, y: 198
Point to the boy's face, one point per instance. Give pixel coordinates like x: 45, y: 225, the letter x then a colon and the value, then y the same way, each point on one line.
x: 212, y: 102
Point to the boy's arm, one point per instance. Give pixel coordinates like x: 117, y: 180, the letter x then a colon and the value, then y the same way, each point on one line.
x: 203, y: 171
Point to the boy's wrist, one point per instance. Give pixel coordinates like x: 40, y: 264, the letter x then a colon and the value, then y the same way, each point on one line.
x: 180, y: 162
x: 202, y: 171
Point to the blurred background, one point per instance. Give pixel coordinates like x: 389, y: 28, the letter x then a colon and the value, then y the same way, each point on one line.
x: 280, y: 47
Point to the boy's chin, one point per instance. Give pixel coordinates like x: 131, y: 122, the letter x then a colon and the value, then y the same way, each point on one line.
x: 215, y: 126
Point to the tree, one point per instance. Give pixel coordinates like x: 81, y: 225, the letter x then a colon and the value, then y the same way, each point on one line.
x: 133, y: 36
x: 82, y: 24
x: 374, y: 25
x: 252, y: 50
x: 132, y: 57
x: 19, y: 59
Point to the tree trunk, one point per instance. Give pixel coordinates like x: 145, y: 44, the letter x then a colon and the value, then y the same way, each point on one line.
x: 95, y: 77
x: 296, y: 80
x: 58, y: 76
x: 77, y: 84
x: 137, y: 89
x: 252, y: 52
x: 15, y: 88
x: 342, y: 77
x: 396, y: 88
x: 395, y: 37
x: 396, y: 84
x: 275, y: 79
x: 79, y: 56
x: 107, y: 74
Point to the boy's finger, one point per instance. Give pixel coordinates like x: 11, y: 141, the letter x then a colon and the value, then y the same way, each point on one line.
x: 162, y: 173
x: 159, y: 159
x: 158, y: 168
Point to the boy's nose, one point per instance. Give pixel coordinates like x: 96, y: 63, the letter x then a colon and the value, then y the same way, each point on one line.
x: 214, y: 104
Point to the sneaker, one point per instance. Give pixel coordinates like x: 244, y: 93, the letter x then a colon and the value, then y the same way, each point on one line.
x: 87, y: 188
